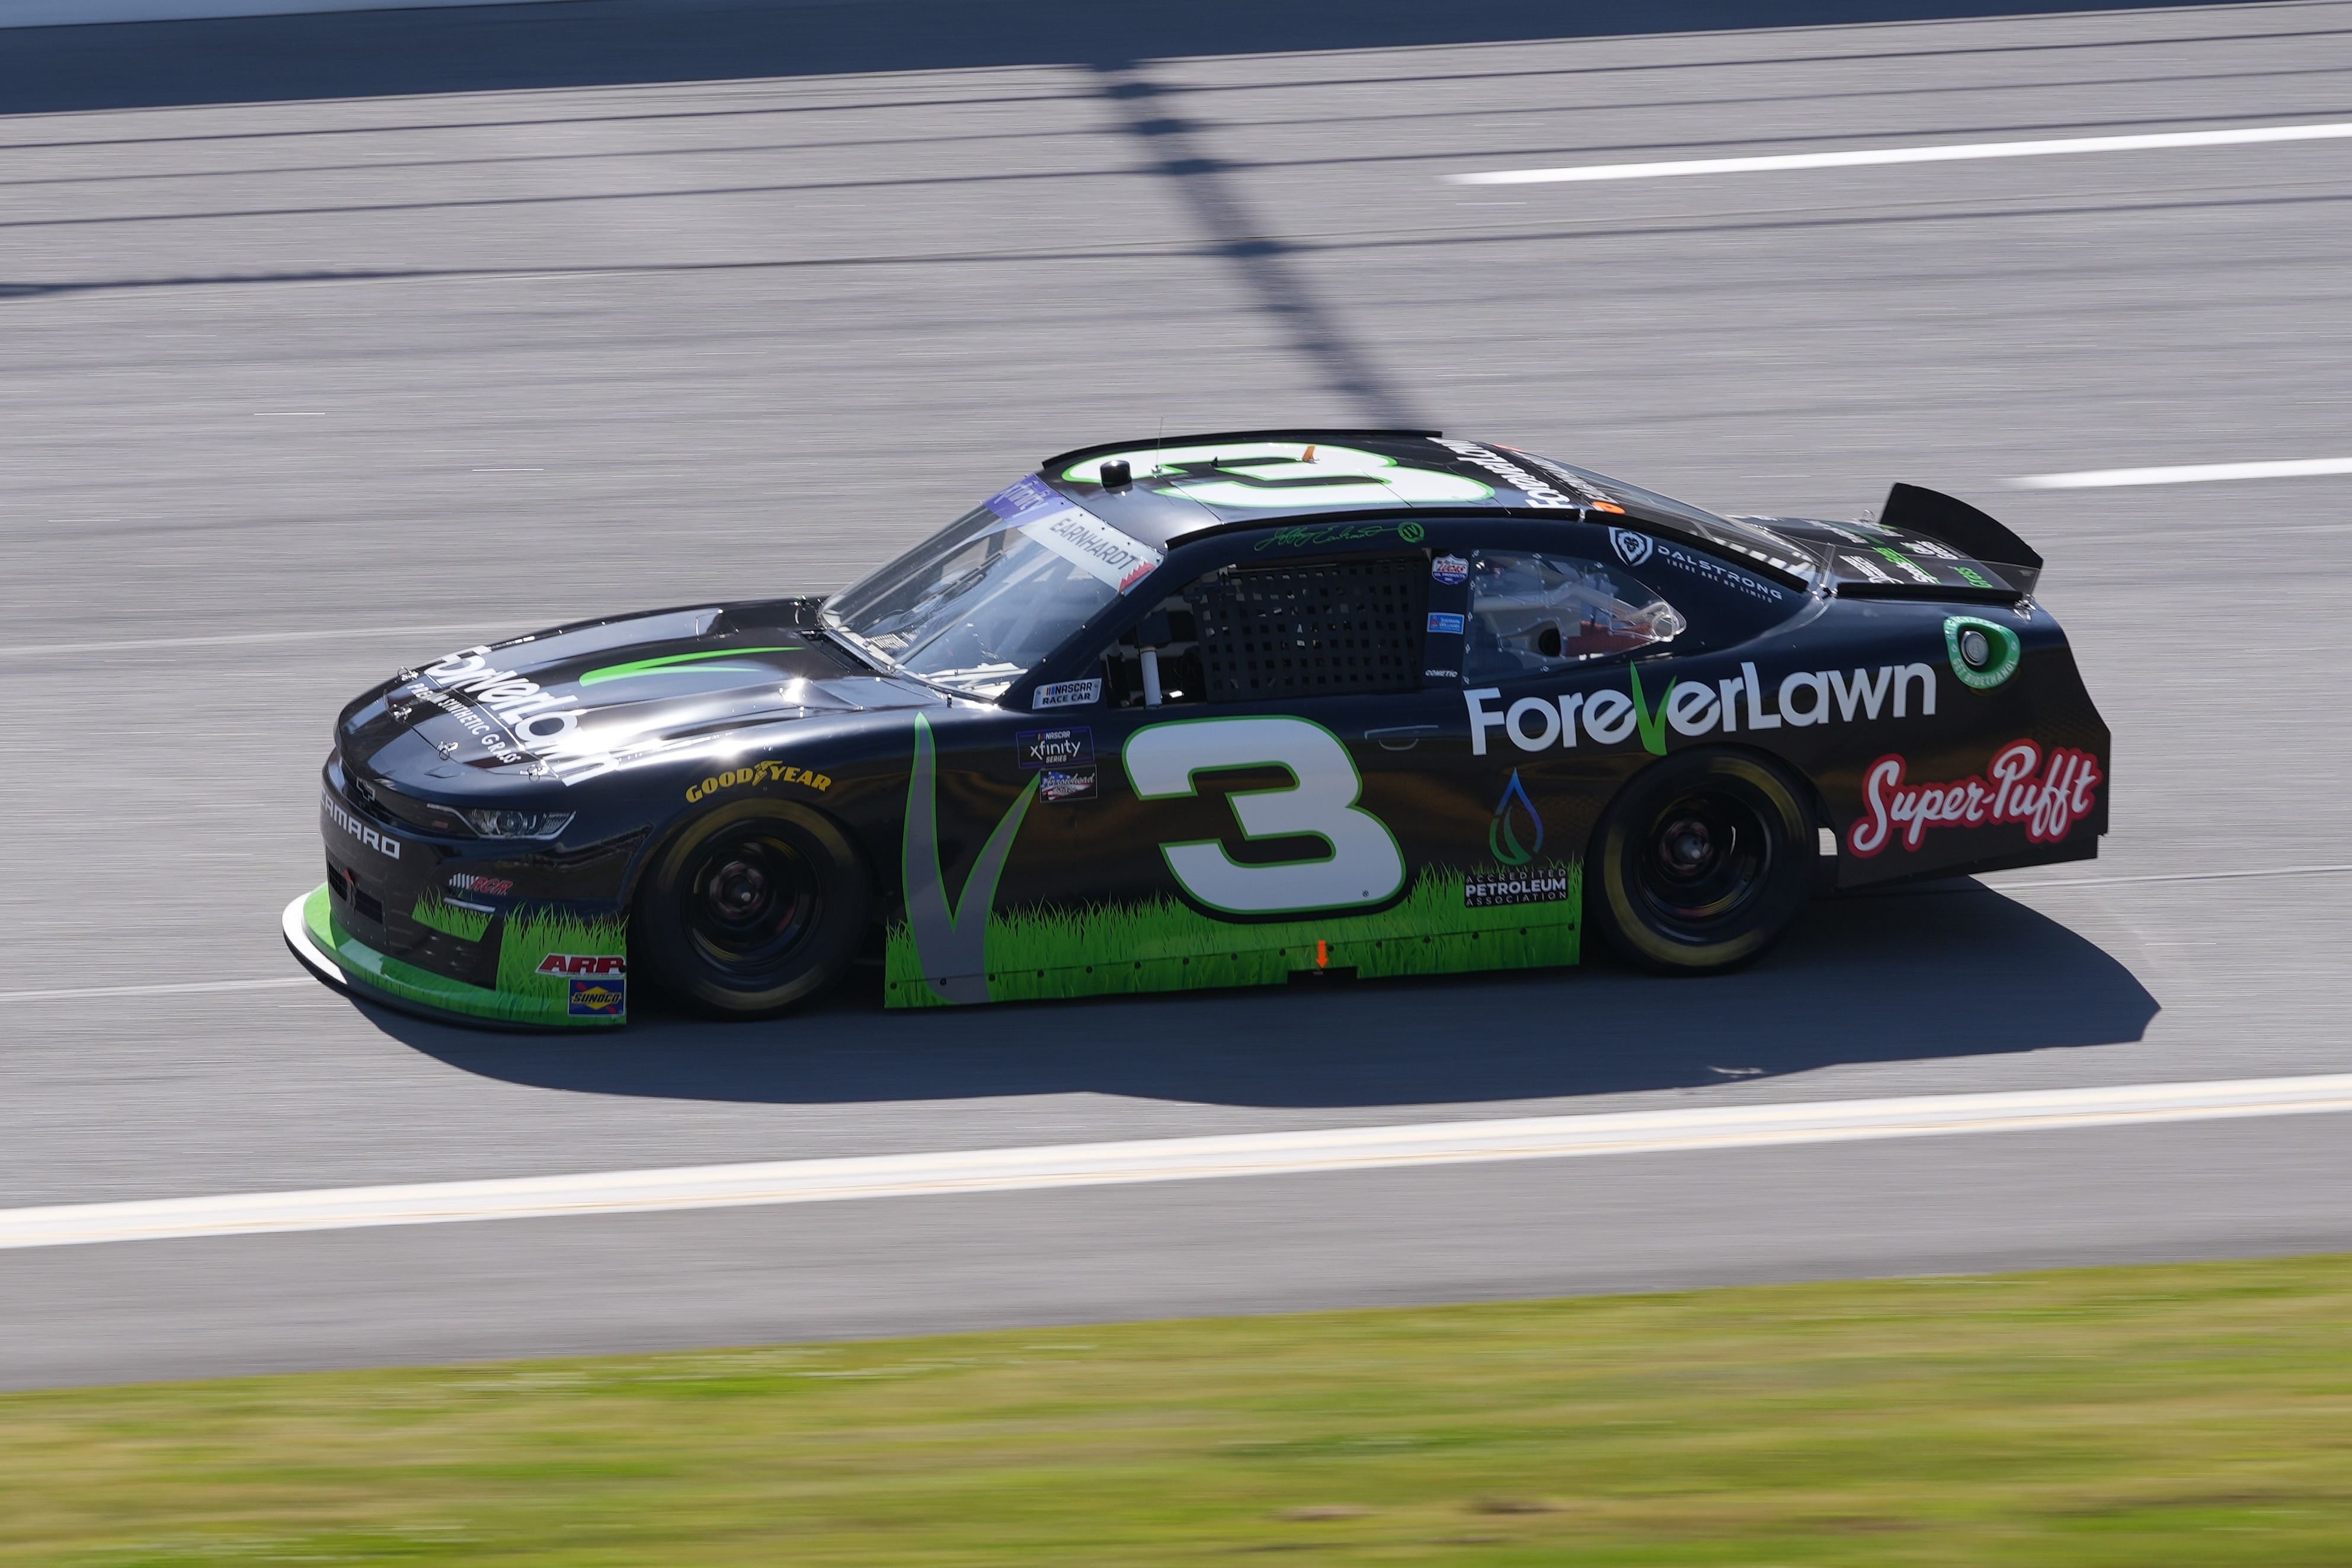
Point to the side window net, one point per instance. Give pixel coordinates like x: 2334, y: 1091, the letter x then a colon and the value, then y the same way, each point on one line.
x: 1530, y: 614
x: 1330, y: 628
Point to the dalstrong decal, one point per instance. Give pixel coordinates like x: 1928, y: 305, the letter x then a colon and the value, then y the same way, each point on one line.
x: 1631, y: 548
x: 1067, y: 693
x: 1894, y: 811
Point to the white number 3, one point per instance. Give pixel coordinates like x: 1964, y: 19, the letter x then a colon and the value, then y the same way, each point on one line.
x: 1364, y: 865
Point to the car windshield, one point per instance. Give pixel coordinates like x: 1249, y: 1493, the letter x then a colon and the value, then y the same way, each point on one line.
x: 973, y: 607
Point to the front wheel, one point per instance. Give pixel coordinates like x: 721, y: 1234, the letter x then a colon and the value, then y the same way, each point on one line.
x: 1701, y: 863
x: 752, y: 908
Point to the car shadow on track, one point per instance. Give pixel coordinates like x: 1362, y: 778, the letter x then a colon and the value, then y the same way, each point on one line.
x: 1953, y: 970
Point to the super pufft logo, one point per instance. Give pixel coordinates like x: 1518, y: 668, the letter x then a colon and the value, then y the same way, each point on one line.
x: 1609, y: 718
x: 2049, y: 795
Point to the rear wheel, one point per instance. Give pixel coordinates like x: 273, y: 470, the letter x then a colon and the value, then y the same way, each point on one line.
x: 752, y: 908
x: 1701, y: 862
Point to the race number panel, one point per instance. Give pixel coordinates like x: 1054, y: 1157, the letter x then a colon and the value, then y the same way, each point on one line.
x: 1364, y: 865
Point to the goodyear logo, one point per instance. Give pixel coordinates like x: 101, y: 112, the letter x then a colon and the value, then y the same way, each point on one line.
x: 763, y: 773
x: 584, y: 963
x: 599, y: 998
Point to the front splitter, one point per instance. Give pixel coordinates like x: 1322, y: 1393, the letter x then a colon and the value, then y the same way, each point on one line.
x: 337, y: 957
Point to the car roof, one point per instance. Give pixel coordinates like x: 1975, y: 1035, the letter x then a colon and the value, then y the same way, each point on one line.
x: 1455, y: 476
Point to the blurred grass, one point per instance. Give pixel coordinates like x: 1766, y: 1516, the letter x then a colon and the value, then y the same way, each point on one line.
x: 2187, y: 1414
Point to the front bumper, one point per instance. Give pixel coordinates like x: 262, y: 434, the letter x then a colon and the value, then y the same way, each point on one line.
x: 317, y: 936
x: 496, y: 932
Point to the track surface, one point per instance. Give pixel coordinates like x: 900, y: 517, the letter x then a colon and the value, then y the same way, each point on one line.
x: 372, y: 376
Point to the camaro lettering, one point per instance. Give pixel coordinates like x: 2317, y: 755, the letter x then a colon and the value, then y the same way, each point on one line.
x: 761, y: 772
x: 1607, y: 718
x: 2008, y: 790
x: 387, y: 846
x: 584, y: 963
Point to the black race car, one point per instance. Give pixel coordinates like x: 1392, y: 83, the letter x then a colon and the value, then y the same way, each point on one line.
x: 1217, y: 710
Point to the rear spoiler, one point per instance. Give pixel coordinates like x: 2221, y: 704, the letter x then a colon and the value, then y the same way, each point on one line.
x: 1912, y: 509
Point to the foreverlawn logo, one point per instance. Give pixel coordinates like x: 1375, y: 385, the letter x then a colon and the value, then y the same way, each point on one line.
x: 528, y: 720
x: 1610, y: 718
x: 1505, y: 840
x: 951, y: 941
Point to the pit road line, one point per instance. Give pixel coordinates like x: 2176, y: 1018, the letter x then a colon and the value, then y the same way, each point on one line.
x: 1420, y: 1145
x: 1947, y: 152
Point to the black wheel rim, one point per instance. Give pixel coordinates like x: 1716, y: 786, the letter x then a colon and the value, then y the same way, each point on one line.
x: 750, y: 900
x: 1703, y: 861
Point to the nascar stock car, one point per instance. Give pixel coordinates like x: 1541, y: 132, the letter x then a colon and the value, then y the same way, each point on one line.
x: 1219, y: 710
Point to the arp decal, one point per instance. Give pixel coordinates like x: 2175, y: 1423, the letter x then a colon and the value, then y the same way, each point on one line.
x: 1363, y: 864
x: 584, y: 963
x: 1896, y: 812
x: 759, y: 774
x: 1284, y: 475
x: 1610, y: 718
x: 467, y: 883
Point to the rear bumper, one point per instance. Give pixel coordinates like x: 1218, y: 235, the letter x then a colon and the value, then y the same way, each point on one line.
x: 556, y: 972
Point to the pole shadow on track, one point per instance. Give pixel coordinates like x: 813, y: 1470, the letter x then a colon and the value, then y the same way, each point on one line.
x: 1956, y: 970
x: 607, y: 43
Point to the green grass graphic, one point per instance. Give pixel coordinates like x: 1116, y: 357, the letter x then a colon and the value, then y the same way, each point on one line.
x: 1036, y: 954
x: 531, y: 936
x: 523, y: 995
x: 437, y: 913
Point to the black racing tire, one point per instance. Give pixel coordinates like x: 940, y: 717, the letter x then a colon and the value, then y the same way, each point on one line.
x: 1701, y: 862
x: 752, y: 909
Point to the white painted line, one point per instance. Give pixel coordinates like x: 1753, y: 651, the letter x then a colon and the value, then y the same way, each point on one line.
x: 35, y: 649
x: 1947, y: 153
x: 1422, y: 1145
x: 2174, y: 877
x: 184, y: 989
x: 2189, y: 474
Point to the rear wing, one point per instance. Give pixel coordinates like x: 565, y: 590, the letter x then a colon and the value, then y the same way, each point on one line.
x: 1911, y: 510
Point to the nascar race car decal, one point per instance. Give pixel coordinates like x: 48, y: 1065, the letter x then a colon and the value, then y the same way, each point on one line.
x: 1221, y: 711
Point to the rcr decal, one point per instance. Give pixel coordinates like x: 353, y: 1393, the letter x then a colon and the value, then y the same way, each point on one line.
x: 1266, y: 474
x: 1362, y: 865
x: 759, y: 773
x: 2007, y: 792
x: 1610, y: 718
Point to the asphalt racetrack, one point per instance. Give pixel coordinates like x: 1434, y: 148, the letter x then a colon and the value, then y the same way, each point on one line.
x: 294, y: 391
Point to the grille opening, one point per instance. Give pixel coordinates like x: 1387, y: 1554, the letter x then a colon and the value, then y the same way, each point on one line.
x: 1327, y: 628
x: 366, y: 904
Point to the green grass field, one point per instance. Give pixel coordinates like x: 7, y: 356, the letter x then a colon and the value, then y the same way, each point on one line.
x: 1036, y: 954
x: 2193, y: 1414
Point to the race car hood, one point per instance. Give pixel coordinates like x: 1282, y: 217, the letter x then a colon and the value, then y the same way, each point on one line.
x: 579, y: 701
